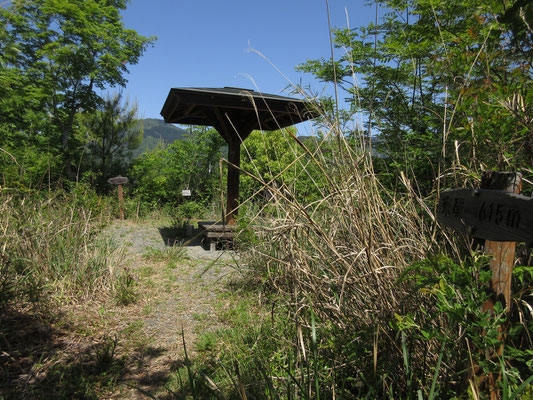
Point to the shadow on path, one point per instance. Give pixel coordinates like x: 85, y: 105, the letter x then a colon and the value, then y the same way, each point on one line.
x: 173, y: 236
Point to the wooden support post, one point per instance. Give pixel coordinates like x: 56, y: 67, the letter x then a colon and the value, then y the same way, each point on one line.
x: 497, y: 216
x: 121, y: 201
x: 503, y: 252
x: 501, y: 264
x: 234, y: 157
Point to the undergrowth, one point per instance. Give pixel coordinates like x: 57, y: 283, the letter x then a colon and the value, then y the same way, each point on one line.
x: 53, y: 255
x: 369, y: 297
x: 50, y: 245
x: 361, y: 298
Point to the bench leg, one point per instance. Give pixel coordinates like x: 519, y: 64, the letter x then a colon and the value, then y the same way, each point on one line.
x: 212, y: 245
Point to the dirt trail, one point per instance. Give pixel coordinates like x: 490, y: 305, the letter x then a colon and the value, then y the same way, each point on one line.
x: 177, y: 291
x: 127, y: 341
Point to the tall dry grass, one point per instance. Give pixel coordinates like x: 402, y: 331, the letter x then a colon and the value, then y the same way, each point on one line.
x: 338, y: 260
x: 49, y: 245
x: 348, y: 247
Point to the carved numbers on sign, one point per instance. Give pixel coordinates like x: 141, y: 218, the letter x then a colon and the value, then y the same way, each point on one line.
x: 499, y: 213
x: 488, y: 214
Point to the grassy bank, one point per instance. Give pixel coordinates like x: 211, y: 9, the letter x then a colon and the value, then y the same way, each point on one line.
x: 51, y: 257
x: 50, y: 245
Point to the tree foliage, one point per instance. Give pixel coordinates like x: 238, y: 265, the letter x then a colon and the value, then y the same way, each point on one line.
x: 54, y: 55
x: 191, y: 163
x: 443, y: 82
x: 278, y: 162
x: 111, y: 133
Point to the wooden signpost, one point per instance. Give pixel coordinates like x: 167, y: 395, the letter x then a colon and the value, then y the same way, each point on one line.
x: 119, y: 181
x: 498, y: 214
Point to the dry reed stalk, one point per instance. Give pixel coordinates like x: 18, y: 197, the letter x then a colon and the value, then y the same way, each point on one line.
x: 346, y: 250
x: 341, y: 254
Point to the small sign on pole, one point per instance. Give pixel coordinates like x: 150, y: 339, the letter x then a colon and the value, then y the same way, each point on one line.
x: 186, y: 193
x: 500, y: 216
x: 119, y: 181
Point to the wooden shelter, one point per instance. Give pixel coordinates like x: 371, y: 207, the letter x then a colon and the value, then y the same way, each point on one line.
x: 234, y: 113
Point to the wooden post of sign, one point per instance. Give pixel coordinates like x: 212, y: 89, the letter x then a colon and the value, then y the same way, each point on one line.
x: 503, y: 253
x: 497, y: 216
x: 501, y: 264
x: 119, y: 181
x: 121, y: 202
x: 188, y: 232
x: 234, y: 157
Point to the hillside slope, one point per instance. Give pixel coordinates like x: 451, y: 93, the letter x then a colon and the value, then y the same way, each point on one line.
x: 156, y: 131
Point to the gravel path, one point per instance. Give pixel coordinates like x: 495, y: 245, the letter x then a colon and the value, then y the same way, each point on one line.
x: 179, y: 290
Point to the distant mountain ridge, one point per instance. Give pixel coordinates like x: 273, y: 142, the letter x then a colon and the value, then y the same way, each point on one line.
x: 160, y: 129
x: 156, y: 131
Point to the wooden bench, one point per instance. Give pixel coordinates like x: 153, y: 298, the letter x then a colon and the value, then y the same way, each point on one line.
x: 215, y: 232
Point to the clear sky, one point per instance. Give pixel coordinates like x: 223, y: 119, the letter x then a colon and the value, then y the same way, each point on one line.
x: 206, y: 43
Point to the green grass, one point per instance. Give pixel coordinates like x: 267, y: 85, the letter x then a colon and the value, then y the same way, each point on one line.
x: 207, y: 342
x: 170, y: 254
x: 244, y: 326
x: 126, y: 288
x: 133, y: 337
x: 52, y: 246
x: 147, y: 310
x: 200, y: 317
x: 94, y: 376
x: 146, y: 271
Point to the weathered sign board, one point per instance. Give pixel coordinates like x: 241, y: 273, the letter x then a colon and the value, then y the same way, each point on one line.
x: 488, y: 214
x: 118, y: 180
x: 186, y: 193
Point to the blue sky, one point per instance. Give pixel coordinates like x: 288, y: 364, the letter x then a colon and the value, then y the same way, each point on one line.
x: 206, y: 43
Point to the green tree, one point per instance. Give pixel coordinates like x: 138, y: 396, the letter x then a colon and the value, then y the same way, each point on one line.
x: 196, y: 162
x: 54, y: 54
x: 279, y: 161
x: 192, y: 162
x: 112, y: 132
x: 452, y: 75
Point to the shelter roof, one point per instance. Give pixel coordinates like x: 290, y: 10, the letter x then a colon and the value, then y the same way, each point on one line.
x: 234, y: 112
